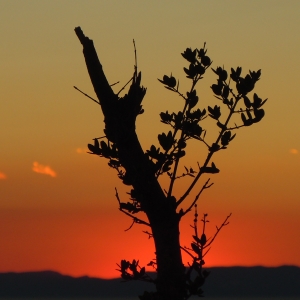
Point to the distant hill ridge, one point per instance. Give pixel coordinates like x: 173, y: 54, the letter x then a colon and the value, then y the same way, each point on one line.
x: 223, y: 281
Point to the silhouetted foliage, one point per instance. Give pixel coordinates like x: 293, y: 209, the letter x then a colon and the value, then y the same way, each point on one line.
x: 141, y: 170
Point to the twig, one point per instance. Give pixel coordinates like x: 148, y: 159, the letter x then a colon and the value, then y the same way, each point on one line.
x: 186, y: 251
x: 135, y: 219
x: 150, y: 235
x: 211, y: 152
x: 135, y: 59
x: 124, y: 86
x: 76, y: 88
x: 135, y: 70
x: 130, y: 226
x: 205, y: 186
x: 235, y: 127
x: 115, y: 83
x: 218, y: 230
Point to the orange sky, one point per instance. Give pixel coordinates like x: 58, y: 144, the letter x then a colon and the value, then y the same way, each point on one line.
x: 57, y: 205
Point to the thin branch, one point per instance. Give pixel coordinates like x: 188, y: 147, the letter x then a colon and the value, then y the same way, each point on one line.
x: 115, y: 83
x: 211, y: 152
x: 218, y: 230
x: 135, y: 70
x: 186, y: 107
x: 243, y: 110
x: 135, y: 219
x: 205, y: 186
x: 205, y: 252
x: 150, y: 235
x: 188, y: 252
x: 76, y: 88
x: 190, y: 173
x: 235, y: 127
x: 130, y: 226
x: 135, y: 59
x: 124, y: 86
x: 179, y: 149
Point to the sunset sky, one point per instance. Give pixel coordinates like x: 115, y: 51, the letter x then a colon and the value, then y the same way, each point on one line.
x: 58, y: 209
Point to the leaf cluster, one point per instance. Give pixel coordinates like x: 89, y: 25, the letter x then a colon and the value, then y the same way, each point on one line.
x: 186, y: 124
x: 132, y: 207
x: 251, y: 112
x: 131, y: 270
x: 108, y: 150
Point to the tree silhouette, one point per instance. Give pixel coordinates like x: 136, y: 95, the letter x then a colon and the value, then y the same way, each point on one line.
x: 140, y: 170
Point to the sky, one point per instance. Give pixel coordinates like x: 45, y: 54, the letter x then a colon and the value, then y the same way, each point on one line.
x: 58, y: 209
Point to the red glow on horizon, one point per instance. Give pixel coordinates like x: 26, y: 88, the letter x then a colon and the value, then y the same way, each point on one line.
x: 92, y: 243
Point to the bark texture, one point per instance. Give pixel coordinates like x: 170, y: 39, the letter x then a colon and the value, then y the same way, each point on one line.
x: 119, y: 116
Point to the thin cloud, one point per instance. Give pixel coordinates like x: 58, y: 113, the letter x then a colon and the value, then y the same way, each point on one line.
x: 294, y: 151
x: 2, y: 175
x: 81, y: 150
x: 41, y: 169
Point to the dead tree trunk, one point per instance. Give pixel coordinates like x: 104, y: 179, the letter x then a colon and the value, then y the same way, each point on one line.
x: 119, y: 117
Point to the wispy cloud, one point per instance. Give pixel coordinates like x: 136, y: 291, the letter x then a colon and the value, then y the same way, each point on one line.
x: 82, y: 150
x: 38, y: 168
x: 294, y: 151
x: 2, y: 175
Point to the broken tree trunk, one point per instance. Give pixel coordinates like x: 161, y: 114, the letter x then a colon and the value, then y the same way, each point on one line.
x: 119, y: 116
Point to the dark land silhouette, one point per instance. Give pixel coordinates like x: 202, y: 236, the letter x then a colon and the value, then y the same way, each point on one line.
x: 222, y: 282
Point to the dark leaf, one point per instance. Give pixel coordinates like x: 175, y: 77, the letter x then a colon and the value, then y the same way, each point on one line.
x: 259, y: 114
x: 162, y: 138
x: 180, y: 153
x: 200, y: 69
x: 222, y: 126
x: 221, y: 73
x: 235, y: 74
x: 249, y: 114
x: 232, y: 137
x: 178, y: 119
x: 202, y: 52
x: 124, y: 264
x: 226, y: 137
x: 215, y: 112
x: 168, y: 81
x: 189, y: 55
x: 181, y: 144
x: 195, y: 248
x: 103, y: 145
x: 217, y: 89
x: 212, y: 170
x: 247, y: 102
x: 114, y: 163
x: 94, y: 149
x: 255, y: 75
x: 167, y: 165
x: 205, y: 60
x: 165, y: 117
x: 257, y: 102
x: 96, y: 143
x: 196, y: 239
x: 214, y: 147
x: 203, y: 239
x: 191, y: 71
x: 225, y: 92
x: 247, y: 122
